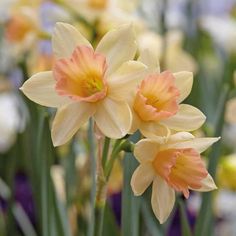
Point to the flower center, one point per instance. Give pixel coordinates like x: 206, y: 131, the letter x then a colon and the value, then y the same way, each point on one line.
x: 156, y: 98
x: 181, y: 168
x: 82, y: 77
x: 99, y: 4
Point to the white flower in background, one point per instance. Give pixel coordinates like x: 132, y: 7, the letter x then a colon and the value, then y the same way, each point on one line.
x: 6, y: 55
x: 93, y: 9
x: 169, y: 49
x: 151, y: 11
x: 10, y: 120
x: 152, y: 41
x: 58, y: 178
x: 176, y: 58
x: 225, y: 205
x: 230, y: 114
x: 222, y: 30
x: 176, y: 16
x: 229, y: 132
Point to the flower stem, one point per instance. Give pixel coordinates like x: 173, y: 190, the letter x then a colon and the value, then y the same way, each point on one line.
x: 105, y: 151
x: 115, y: 152
x: 100, y: 204
x: 100, y: 201
x: 104, y: 168
x: 91, y: 146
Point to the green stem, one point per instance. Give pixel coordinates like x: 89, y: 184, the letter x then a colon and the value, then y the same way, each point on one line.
x: 91, y: 148
x: 105, y: 151
x: 115, y: 152
x: 100, y: 204
x: 104, y: 169
x: 101, y: 189
x: 102, y: 180
x: 185, y: 227
x: 120, y: 144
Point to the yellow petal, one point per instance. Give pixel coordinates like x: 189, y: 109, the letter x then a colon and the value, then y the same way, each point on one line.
x: 142, y: 178
x: 125, y: 80
x: 188, y: 118
x: 69, y: 119
x: 135, y: 123
x: 180, y: 137
x: 163, y: 199
x: 199, y: 144
x: 40, y: 89
x: 184, y: 83
x: 146, y: 150
x: 113, y: 118
x: 65, y: 38
x: 154, y: 130
x: 150, y: 60
x: 208, y: 184
x: 118, y: 46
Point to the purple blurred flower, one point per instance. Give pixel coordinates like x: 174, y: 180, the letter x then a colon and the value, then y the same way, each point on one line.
x: 24, y: 196
x: 175, y: 226
x: 115, y: 202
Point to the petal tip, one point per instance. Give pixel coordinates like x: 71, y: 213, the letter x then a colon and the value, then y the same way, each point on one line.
x: 55, y: 141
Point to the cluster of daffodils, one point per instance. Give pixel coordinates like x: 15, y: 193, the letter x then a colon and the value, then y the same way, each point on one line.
x: 123, y: 95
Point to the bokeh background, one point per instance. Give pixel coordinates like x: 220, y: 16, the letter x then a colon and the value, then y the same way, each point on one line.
x: 48, y: 191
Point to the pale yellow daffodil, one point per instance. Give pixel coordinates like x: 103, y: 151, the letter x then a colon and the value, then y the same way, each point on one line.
x: 83, y: 81
x: 171, y: 165
x: 155, y: 102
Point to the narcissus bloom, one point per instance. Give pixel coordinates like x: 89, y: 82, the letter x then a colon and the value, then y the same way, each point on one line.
x: 88, y: 83
x: 171, y: 165
x: 155, y: 103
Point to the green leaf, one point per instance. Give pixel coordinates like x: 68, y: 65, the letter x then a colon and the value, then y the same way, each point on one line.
x: 2, y: 225
x: 130, y: 204
x: 205, y: 221
x: 111, y: 227
x: 185, y: 227
x: 61, y: 216
x: 23, y: 220
x: 54, y: 220
x: 152, y: 224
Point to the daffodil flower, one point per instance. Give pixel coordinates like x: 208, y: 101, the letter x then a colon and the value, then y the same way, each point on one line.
x: 155, y: 103
x: 171, y: 165
x: 83, y: 81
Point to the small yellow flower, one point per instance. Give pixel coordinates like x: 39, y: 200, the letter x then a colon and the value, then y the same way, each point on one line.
x: 171, y: 165
x: 83, y: 82
x: 226, y: 175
